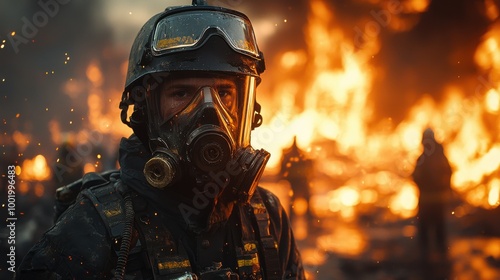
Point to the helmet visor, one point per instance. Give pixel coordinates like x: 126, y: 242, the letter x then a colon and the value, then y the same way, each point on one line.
x: 187, y: 30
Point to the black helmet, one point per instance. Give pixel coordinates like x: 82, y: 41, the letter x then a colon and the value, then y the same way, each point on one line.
x: 188, y: 38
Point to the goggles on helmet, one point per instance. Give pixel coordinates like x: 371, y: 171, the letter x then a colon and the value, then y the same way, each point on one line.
x: 186, y: 30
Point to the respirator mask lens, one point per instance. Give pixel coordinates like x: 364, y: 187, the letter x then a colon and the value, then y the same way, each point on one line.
x: 177, y: 95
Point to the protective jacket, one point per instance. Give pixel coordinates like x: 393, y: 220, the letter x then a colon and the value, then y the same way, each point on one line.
x: 87, y: 240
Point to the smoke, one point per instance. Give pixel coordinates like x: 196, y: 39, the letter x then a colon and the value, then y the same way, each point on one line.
x: 45, y: 45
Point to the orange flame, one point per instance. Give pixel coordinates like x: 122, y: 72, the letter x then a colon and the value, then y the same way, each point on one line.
x: 333, y: 121
x: 103, y: 107
x: 336, y: 111
x: 35, y: 169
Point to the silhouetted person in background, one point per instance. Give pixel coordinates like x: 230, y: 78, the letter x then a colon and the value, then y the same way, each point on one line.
x: 432, y: 175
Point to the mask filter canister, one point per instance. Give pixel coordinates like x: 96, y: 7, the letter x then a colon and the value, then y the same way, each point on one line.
x: 162, y: 170
x: 209, y: 148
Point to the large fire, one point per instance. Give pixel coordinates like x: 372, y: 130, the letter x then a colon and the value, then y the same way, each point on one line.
x: 333, y: 123
x: 327, y: 108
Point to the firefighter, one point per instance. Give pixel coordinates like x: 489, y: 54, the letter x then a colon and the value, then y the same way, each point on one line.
x: 432, y: 175
x: 185, y: 203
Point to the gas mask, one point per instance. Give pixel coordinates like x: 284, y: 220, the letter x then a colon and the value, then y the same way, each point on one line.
x: 198, y: 134
x: 203, y: 139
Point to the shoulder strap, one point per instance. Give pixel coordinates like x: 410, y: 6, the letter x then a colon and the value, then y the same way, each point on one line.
x: 113, y: 202
x: 109, y: 204
x: 267, y: 242
x: 247, y: 254
x: 167, y: 258
x: 66, y: 195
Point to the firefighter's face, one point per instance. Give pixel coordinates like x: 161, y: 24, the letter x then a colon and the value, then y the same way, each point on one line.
x: 176, y: 95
